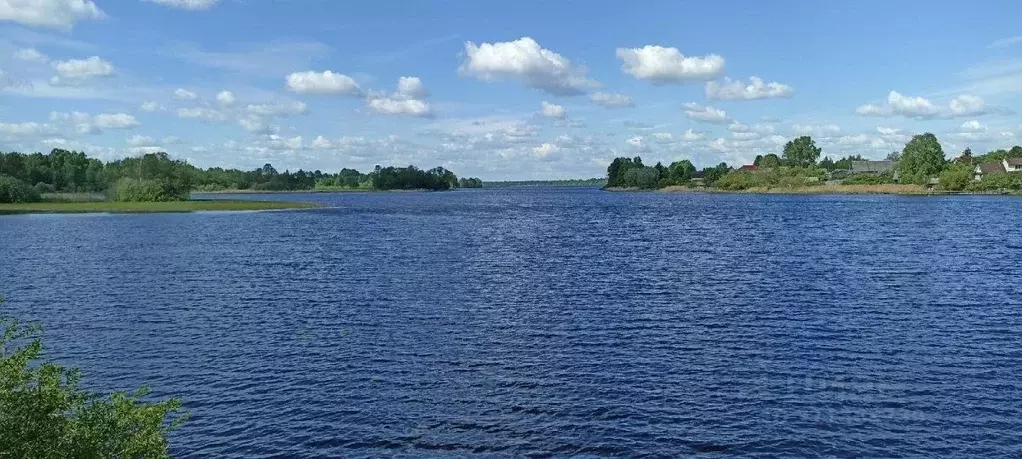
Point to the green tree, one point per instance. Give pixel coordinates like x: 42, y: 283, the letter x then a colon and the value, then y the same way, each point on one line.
x: 642, y: 177
x: 922, y: 158
x: 1015, y: 152
x: 710, y: 175
x: 770, y: 161
x: 966, y: 155
x: 44, y: 412
x: 758, y: 160
x: 14, y: 190
x: 618, y: 168
x: 801, y: 152
x: 681, y: 171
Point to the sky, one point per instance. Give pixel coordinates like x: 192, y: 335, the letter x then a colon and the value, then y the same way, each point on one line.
x: 515, y: 91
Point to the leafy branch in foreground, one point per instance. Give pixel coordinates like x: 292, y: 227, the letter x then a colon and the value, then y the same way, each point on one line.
x: 44, y: 412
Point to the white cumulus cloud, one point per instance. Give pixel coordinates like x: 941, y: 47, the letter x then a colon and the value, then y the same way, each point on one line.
x: 141, y: 141
x: 756, y: 88
x: 705, y: 113
x: 280, y: 109
x: 966, y: 105
x: 320, y: 143
x: 30, y: 55
x: 257, y: 125
x: 24, y: 129
x: 922, y: 108
x: 76, y: 69
x: 184, y: 94
x: 692, y: 136
x: 55, y: 14
x: 662, y: 65
x: 187, y: 4
x: 823, y: 130
x: 552, y: 110
x: 611, y: 100
x: 326, y: 82
x: 225, y: 98
x: 388, y: 106
x: 411, y: 87
x: 972, y: 126
x: 150, y: 106
x: 408, y: 100
x: 115, y: 121
x: 526, y: 61
x: 84, y: 123
x: 546, y: 150
x: 911, y: 106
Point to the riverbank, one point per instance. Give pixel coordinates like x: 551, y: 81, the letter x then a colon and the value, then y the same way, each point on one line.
x: 908, y: 190
x: 320, y: 190
x: 148, y: 207
x: 890, y: 189
x: 317, y: 190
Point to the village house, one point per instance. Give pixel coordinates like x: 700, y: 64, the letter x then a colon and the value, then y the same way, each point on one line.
x: 1005, y: 165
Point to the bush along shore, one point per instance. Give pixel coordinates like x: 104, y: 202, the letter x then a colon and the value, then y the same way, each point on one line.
x: 70, y: 181
x: 920, y: 168
x: 45, y: 412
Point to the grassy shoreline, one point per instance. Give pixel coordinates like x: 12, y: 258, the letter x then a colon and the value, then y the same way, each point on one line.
x: 904, y: 190
x: 321, y: 190
x: 901, y: 190
x: 147, y: 207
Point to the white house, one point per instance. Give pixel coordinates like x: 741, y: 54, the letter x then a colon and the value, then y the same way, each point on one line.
x: 1006, y: 165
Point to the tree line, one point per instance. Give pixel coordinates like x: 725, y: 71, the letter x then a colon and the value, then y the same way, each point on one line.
x: 158, y: 177
x: 920, y: 162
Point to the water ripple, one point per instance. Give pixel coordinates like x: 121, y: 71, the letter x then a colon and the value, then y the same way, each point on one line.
x: 548, y: 322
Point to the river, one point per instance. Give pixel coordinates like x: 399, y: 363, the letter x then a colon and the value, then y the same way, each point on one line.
x: 562, y: 321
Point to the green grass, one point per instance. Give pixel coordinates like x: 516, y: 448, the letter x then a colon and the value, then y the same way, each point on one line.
x: 147, y: 207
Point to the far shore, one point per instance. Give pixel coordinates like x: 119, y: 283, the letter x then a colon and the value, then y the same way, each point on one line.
x: 321, y: 190
x: 148, y: 207
x: 890, y: 189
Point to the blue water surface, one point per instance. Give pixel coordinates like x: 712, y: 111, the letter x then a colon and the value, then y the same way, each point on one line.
x: 547, y: 321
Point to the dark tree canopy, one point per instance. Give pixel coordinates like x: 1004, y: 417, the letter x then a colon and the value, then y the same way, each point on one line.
x: 801, y: 152
x: 158, y: 175
x: 681, y: 171
x: 922, y: 157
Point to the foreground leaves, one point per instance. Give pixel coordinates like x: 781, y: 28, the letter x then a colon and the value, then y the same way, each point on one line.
x: 44, y: 412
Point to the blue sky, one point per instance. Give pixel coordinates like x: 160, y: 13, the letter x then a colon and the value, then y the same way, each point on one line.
x: 526, y: 90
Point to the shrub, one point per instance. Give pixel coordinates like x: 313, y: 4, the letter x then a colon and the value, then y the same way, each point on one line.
x: 737, y: 181
x: 956, y: 178
x: 146, y: 190
x: 869, y: 179
x: 998, y: 181
x: 14, y: 190
x: 44, y: 413
x: 43, y: 187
